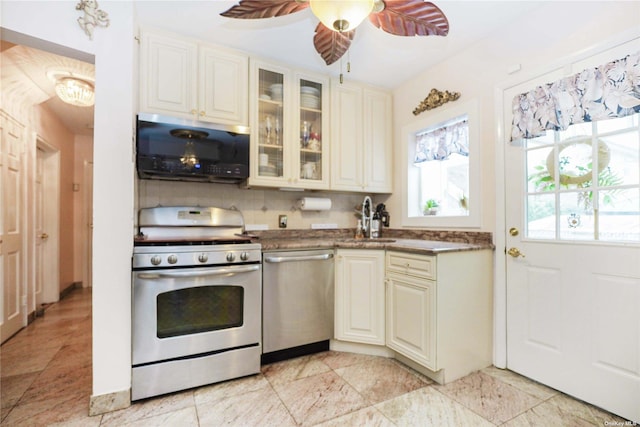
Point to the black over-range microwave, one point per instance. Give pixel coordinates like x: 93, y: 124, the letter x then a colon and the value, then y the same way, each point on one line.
x: 187, y: 150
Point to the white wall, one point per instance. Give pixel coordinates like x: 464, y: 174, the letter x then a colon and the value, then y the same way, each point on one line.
x: 546, y: 35
x: 114, y: 49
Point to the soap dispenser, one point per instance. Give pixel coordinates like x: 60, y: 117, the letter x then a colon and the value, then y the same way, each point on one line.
x: 359, y: 231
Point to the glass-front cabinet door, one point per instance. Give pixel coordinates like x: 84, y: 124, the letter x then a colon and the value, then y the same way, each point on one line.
x: 270, y: 97
x: 313, y: 142
x: 287, y: 127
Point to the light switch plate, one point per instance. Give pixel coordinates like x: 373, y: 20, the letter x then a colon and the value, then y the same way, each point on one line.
x: 282, y: 221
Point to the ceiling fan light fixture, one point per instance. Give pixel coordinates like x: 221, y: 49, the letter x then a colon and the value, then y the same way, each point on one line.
x: 342, y: 15
x: 75, y: 91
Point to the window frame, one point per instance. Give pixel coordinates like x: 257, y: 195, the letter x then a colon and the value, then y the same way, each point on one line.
x: 410, y: 194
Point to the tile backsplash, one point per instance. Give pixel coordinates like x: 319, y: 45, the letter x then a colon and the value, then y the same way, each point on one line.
x: 258, y: 206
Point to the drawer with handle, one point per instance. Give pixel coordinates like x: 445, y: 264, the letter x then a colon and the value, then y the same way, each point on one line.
x: 414, y: 265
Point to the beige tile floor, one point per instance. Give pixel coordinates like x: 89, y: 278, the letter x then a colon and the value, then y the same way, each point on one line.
x: 46, y: 380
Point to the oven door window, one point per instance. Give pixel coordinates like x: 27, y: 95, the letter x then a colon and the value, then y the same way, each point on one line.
x: 201, y: 309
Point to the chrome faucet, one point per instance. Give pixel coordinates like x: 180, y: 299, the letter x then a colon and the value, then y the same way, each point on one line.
x: 367, y: 206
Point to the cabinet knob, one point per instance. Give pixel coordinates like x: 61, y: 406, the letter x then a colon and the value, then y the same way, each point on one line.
x: 194, y: 111
x: 202, y: 113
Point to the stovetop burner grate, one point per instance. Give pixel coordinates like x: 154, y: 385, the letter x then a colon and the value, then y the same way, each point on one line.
x: 230, y: 241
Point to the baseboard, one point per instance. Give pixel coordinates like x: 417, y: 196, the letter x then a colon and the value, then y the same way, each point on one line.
x: 66, y: 291
x: 369, y: 349
x: 103, y: 403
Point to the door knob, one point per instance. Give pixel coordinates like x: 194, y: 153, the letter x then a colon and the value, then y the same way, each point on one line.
x: 44, y: 236
x: 515, y: 252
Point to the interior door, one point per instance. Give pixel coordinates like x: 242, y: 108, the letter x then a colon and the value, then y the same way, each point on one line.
x: 40, y: 235
x: 573, y: 260
x: 47, y: 223
x: 11, y: 229
x: 87, y: 274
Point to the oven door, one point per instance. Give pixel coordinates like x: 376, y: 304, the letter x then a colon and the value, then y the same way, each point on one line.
x: 195, y: 311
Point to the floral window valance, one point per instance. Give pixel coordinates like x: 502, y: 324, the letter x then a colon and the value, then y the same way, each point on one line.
x: 608, y: 91
x: 440, y: 143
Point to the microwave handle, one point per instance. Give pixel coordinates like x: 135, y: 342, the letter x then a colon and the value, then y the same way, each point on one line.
x: 191, y: 274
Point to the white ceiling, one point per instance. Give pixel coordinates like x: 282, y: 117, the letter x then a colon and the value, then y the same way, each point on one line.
x: 376, y: 57
x: 25, y: 71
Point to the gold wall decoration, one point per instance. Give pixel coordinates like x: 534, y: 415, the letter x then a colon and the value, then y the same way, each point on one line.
x: 435, y: 99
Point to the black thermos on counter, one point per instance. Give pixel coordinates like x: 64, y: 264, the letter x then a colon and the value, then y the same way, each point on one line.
x: 383, y: 215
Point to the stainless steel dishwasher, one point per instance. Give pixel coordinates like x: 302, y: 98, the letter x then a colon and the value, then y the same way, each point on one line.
x: 297, y: 309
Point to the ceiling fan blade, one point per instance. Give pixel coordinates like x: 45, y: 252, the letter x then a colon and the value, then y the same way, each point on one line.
x: 331, y: 45
x: 256, y: 9
x: 411, y: 18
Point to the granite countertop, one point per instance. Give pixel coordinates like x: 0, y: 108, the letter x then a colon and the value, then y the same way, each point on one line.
x: 413, y: 242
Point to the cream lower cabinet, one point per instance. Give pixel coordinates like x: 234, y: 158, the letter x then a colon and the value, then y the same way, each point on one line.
x: 439, y: 311
x: 411, y: 318
x: 359, y: 296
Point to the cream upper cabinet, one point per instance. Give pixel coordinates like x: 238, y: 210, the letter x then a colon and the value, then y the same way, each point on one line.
x: 289, y: 126
x: 361, y: 123
x: 439, y: 311
x: 359, y: 296
x: 184, y: 78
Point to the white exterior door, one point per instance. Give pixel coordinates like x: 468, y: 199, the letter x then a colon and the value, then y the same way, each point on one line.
x: 11, y: 228
x: 573, y: 257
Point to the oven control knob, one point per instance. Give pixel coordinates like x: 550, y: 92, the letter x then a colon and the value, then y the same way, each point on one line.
x: 244, y: 256
x: 172, y: 259
x: 231, y: 257
x: 156, y: 260
x: 203, y: 257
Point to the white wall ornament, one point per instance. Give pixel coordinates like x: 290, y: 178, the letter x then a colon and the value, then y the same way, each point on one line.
x: 92, y: 17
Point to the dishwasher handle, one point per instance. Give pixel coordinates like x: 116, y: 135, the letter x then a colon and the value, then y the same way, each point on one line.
x: 278, y: 259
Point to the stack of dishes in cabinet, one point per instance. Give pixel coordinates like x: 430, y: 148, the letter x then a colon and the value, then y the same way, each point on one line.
x: 276, y: 92
x: 309, y: 97
x: 268, y: 170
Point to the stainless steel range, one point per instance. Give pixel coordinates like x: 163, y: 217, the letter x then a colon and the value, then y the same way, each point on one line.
x: 197, y: 292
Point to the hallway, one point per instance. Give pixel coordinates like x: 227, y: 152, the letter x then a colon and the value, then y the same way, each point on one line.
x: 46, y: 380
x: 46, y: 367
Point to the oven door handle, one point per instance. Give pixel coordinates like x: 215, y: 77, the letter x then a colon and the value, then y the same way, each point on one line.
x: 190, y: 274
x: 277, y: 259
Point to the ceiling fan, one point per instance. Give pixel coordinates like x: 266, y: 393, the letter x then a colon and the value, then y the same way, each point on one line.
x: 339, y: 18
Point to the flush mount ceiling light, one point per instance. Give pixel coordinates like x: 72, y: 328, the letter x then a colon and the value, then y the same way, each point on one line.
x: 75, y: 91
x: 338, y: 19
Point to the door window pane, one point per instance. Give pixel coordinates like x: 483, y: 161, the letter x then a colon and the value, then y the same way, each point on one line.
x: 541, y: 216
x: 619, y: 218
x: 576, y: 216
x: 592, y: 171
